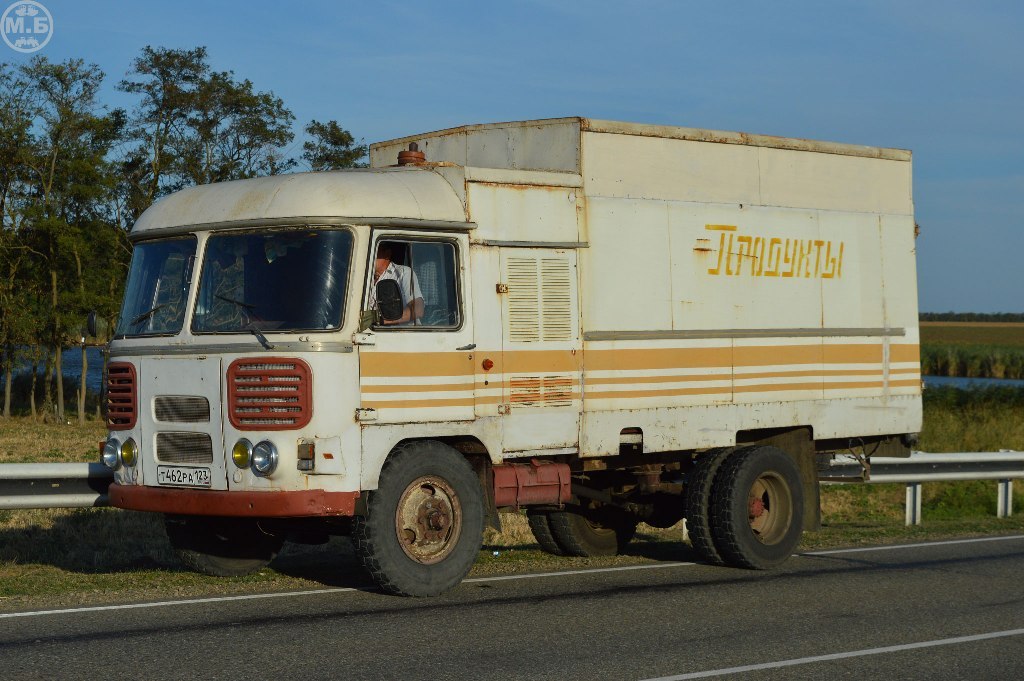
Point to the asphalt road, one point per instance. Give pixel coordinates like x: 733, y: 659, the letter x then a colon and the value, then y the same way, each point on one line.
x: 947, y: 610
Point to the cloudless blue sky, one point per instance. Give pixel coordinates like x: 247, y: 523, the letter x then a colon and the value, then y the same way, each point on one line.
x: 944, y: 79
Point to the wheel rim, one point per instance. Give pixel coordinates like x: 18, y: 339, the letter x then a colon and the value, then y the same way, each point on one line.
x: 428, y: 520
x: 769, y: 508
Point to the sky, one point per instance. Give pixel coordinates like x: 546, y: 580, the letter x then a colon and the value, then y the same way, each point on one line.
x: 943, y: 79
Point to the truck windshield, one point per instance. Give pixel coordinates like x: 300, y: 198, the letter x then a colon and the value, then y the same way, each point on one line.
x: 273, y: 281
x: 157, y: 290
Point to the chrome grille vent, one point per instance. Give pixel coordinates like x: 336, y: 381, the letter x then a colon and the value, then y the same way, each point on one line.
x: 190, y: 448
x: 182, y: 409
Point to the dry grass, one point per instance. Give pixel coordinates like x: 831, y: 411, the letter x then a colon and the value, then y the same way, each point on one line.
x: 24, y: 440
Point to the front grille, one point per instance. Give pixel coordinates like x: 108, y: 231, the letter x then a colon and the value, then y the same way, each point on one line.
x: 122, y: 396
x: 184, y: 448
x: 269, y: 393
x: 181, y: 409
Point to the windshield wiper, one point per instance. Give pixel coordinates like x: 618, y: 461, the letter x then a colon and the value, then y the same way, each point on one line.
x: 246, y: 310
x: 147, y: 314
x: 259, y: 336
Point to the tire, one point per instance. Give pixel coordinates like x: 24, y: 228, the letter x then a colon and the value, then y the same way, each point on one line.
x: 424, y: 523
x: 697, y: 503
x: 222, y: 547
x: 540, y: 526
x: 588, y: 535
x: 757, y: 508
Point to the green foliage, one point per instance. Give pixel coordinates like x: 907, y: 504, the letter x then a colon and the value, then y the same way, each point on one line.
x: 331, y: 147
x: 972, y: 361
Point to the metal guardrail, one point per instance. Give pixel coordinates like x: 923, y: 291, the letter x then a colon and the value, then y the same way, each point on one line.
x: 79, y: 485
x: 54, y: 485
x: 922, y: 467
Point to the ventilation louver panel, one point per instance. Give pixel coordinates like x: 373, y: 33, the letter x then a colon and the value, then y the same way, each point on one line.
x: 181, y: 409
x: 122, y: 396
x: 541, y: 391
x: 269, y: 393
x: 523, y: 299
x: 184, y: 448
x: 539, y: 299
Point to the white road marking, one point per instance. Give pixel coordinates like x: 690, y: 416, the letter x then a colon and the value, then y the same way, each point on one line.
x: 503, y: 578
x: 894, y: 547
x: 534, y: 575
x: 842, y: 656
x: 312, y: 592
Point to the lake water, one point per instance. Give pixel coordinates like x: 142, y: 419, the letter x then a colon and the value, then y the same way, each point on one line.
x: 968, y: 383
x: 71, y: 362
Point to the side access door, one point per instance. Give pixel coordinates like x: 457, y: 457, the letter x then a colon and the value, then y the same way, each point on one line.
x: 542, y: 356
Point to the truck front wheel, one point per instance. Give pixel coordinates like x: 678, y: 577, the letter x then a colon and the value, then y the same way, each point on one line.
x: 757, y: 508
x: 424, y: 523
x: 222, y: 547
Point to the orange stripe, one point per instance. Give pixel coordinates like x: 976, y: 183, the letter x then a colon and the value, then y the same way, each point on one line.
x: 852, y: 353
x: 629, y: 394
x: 418, y: 404
x: 916, y: 383
x: 766, y: 355
x: 538, y: 361
x: 658, y: 358
x: 629, y: 380
x: 904, y: 353
x: 399, y: 364
x: 387, y: 364
x: 418, y: 387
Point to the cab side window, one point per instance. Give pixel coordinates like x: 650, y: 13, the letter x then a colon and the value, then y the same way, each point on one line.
x: 427, y: 275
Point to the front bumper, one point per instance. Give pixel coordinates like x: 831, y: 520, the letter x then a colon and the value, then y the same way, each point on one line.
x: 297, y: 504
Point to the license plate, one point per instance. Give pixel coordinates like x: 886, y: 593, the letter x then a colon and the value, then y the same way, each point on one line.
x: 183, y: 477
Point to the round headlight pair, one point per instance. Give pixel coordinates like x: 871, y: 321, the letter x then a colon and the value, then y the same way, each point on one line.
x: 115, y: 454
x: 261, y: 459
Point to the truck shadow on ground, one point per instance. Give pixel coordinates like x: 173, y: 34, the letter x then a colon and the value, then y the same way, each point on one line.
x: 109, y: 541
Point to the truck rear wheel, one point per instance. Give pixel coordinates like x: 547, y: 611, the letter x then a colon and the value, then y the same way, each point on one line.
x: 588, y: 534
x: 697, y: 502
x: 540, y: 526
x: 222, y: 547
x: 424, y: 523
x: 757, y: 508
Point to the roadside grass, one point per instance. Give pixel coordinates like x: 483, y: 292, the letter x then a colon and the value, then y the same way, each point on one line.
x: 25, y: 440
x: 67, y: 557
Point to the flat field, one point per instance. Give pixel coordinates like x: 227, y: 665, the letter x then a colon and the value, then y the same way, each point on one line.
x: 972, y: 349
x: 1010, y: 334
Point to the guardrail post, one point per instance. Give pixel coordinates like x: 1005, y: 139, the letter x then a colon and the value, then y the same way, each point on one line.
x: 913, y: 503
x: 1004, y: 500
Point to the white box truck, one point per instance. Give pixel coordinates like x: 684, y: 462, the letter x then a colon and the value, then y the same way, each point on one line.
x: 598, y: 323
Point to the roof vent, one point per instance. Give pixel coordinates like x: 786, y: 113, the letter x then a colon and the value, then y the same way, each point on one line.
x: 412, y: 156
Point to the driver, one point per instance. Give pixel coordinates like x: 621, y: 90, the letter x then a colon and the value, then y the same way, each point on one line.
x: 412, y: 297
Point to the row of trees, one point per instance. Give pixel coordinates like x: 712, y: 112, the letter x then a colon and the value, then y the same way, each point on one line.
x: 75, y: 175
x: 1002, y: 317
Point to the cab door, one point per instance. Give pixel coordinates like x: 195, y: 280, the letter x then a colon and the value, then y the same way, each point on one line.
x: 421, y: 371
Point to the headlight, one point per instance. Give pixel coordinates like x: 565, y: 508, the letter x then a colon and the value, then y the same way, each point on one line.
x: 241, y: 453
x: 264, y: 458
x: 111, y: 456
x: 129, y: 452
